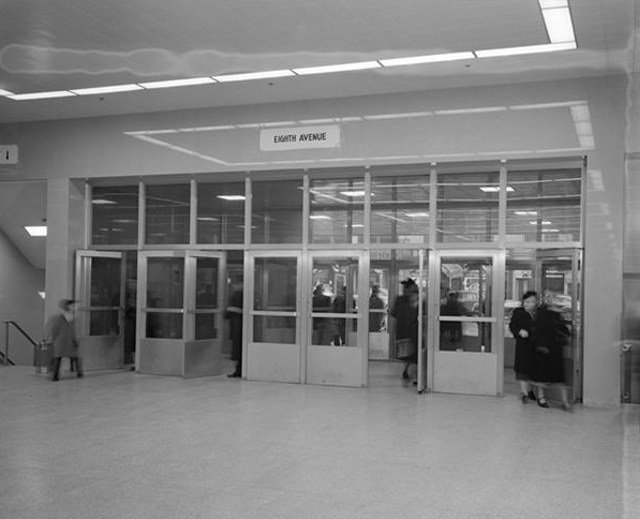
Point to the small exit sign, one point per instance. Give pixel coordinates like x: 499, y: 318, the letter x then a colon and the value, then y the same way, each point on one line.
x: 8, y: 153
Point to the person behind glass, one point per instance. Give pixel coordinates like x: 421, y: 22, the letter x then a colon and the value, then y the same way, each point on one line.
x: 452, y: 330
x: 339, y: 306
x: 376, y: 318
x: 405, y: 323
x: 234, y: 314
x: 60, y: 332
x: 539, y: 333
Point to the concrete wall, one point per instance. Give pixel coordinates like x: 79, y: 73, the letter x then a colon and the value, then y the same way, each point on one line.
x: 529, y: 120
x: 20, y: 301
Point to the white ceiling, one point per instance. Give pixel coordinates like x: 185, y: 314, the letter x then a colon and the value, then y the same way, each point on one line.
x: 68, y: 44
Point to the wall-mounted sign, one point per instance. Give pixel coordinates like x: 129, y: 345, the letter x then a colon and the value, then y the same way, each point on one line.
x: 300, y: 138
x: 8, y: 154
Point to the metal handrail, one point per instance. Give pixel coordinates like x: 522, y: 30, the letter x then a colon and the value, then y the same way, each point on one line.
x: 7, y: 360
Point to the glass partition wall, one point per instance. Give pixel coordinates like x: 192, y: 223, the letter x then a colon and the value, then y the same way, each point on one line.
x: 390, y: 218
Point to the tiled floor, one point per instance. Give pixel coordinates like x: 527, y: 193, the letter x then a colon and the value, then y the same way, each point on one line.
x: 122, y: 445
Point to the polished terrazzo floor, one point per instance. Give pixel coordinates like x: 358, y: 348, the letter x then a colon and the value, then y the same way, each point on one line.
x: 123, y: 445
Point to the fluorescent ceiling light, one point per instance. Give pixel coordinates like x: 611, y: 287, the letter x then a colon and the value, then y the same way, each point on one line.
x: 103, y: 201
x: 6, y: 93
x: 343, y: 67
x: 526, y: 213
x: 580, y: 113
x: 42, y: 294
x: 587, y: 141
x: 320, y: 217
x: 494, y: 189
x: 559, y: 25
x: 178, y: 82
x: 352, y: 193
x: 254, y: 75
x: 355, y: 225
x: 481, y: 110
x: 529, y: 49
x: 232, y: 198
x: 124, y: 220
x: 208, y: 219
x: 550, y: 4
x: 543, y: 222
x: 550, y: 230
x: 418, y: 215
x: 42, y: 95
x: 107, y: 89
x: 433, y: 58
x: 36, y: 230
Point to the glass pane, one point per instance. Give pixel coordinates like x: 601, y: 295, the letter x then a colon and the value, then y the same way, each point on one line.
x: 336, y: 213
x: 334, y: 332
x: 274, y: 329
x: 105, y: 281
x: 544, y: 206
x: 165, y: 282
x: 276, y: 211
x: 164, y: 325
x: 465, y: 286
x: 206, y: 326
x: 103, y: 322
x: 221, y: 213
x: 275, y: 282
x: 465, y: 290
x: 206, y: 283
x: 167, y: 213
x: 114, y: 215
x: 467, y: 207
x: 465, y: 336
x: 335, y: 282
x: 400, y: 209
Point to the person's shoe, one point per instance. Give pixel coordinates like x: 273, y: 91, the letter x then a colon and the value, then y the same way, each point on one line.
x: 234, y: 375
x: 542, y: 402
x: 567, y: 407
x: 55, y: 379
x: 405, y: 375
x: 524, y: 398
x: 80, y: 375
x: 531, y: 395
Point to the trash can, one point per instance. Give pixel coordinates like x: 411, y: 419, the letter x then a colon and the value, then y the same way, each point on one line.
x: 42, y: 357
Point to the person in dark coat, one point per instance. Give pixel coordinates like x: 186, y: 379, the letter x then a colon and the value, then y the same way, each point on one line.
x: 539, y: 334
x: 60, y: 332
x: 234, y: 314
x: 405, y: 322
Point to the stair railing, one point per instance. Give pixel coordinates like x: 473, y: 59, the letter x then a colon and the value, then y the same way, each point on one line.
x: 7, y: 324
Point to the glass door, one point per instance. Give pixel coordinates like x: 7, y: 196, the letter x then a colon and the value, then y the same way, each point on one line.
x: 468, y: 348
x: 273, y: 329
x: 204, y: 317
x: 100, y: 289
x: 337, y: 336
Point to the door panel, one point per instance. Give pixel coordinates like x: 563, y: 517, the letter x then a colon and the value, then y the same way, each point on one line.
x: 468, y: 345
x: 100, y: 289
x: 273, y: 351
x: 336, y: 353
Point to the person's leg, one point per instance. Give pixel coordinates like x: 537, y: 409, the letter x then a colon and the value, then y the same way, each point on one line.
x: 405, y: 371
x: 564, y: 396
x: 542, y: 401
x: 525, y: 389
x: 56, y: 368
x: 78, y: 363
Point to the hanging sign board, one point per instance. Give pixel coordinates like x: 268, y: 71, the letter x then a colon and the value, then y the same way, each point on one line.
x: 300, y: 138
x: 8, y: 153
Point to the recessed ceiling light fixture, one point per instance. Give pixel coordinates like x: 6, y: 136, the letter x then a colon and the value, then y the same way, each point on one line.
x: 36, y: 230
x: 352, y: 193
x: 494, y: 189
x: 172, y: 83
x: 529, y: 49
x: 102, y: 201
x: 432, y: 58
x: 342, y: 67
x: 249, y: 76
x: 41, y: 95
x: 231, y: 198
x: 107, y: 89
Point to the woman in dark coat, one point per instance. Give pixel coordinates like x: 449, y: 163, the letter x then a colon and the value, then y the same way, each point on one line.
x: 234, y: 314
x: 60, y: 332
x: 540, y: 335
x: 405, y: 319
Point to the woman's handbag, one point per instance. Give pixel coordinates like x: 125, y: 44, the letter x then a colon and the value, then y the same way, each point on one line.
x: 404, y: 348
